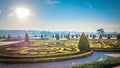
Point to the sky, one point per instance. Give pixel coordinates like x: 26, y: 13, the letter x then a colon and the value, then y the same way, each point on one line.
x: 62, y: 15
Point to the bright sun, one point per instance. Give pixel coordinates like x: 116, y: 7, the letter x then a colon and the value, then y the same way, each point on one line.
x: 22, y: 13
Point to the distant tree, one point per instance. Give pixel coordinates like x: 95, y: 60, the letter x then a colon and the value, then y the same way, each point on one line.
x: 8, y: 36
x: 68, y: 36
x: 3, y: 36
x: 35, y: 36
x: 93, y: 36
x: 26, y: 38
x: 76, y: 36
x: 65, y: 36
x: 83, y: 43
x: 45, y: 36
x: 57, y: 36
x: 100, y: 36
x: 100, y: 31
x: 52, y: 36
x: 105, y: 35
x: 108, y: 36
x: 118, y: 36
x: 61, y: 36
x: 72, y: 36
x: 111, y: 35
x: 86, y: 35
x: 18, y: 36
x: 90, y: 35
x: 41, y: 36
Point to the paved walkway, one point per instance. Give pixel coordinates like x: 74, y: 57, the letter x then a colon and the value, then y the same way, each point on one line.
x: 113, y: 55
x: 8, y: 42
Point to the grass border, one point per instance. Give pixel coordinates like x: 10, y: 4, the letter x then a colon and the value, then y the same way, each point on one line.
x: 108, y: 63
x: 107, y: 49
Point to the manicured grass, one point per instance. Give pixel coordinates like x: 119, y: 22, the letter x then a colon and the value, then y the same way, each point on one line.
x: 109, y: 63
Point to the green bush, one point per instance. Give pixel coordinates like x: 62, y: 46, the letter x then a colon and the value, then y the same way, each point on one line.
x: 83, y: 43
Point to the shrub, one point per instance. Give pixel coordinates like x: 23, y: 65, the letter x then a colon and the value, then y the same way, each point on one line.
x: 83, y: 43
x: 26, y: 38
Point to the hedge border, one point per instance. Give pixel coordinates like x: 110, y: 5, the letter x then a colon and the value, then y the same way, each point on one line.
x: 36, y: 60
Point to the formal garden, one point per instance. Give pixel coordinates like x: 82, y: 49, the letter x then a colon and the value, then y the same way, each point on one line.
x: 32, y: 51
x: 45, y: 50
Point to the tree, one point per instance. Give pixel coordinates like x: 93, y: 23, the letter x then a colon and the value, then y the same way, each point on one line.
x: 35, y: 36
x: 108, y: 37
x: 72, y: 36
x: 118, y: 36
x: 57, y: 36
x: 100, y: 31
x: 3, y: 36
x: 18, y: 37
x: 93, y: 36
x: 100, y: 36
x: 61, y: 36
x: 86, y: 35
x: 26, y: 38
x: 76, y: 36
x: 83, y: 43
x: 41, y: 36
x: 68, y: 36
x: 8, y: 36
x: 52, y: 36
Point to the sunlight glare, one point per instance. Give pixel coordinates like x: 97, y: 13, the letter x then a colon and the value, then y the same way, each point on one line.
x: 22, y: 13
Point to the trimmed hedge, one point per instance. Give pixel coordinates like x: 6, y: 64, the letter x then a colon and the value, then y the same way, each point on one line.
x: 42, y: 59
x: 107, y: 49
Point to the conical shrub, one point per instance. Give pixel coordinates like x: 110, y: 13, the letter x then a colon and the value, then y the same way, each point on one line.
x: 83, y: 43
x: 26, y: 38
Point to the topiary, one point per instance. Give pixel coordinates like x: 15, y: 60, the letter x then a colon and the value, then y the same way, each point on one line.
x: 83, y: 43
x: 26, y: 38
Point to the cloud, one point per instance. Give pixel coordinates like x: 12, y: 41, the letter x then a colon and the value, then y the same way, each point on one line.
x: 11, y: 15
x: 51, y: 2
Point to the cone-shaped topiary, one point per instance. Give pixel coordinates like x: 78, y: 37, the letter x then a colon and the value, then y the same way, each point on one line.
x: 26, y: 38
x: 83, y: 43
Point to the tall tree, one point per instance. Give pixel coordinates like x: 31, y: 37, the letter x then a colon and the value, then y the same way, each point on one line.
x: 83, y: 43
